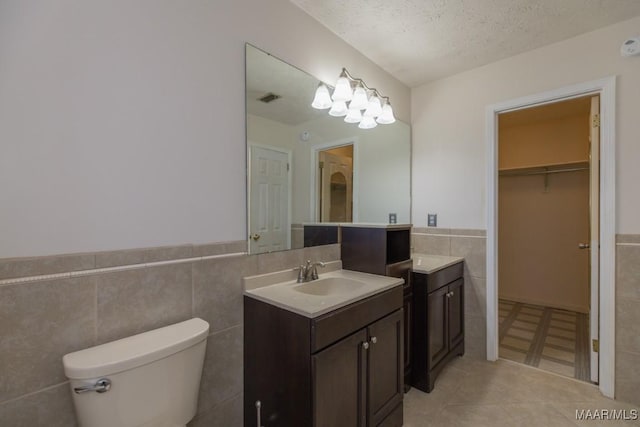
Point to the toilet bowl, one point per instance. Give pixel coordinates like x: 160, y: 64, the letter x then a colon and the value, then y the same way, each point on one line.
x: 146, y: 380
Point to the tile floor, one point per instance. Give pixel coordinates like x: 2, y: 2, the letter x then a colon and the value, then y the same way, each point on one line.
x: 471, y: 392
x: 551, y: 339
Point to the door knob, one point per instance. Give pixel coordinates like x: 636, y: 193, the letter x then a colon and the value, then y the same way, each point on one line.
x: 255, y: 236
x: 584, y: 245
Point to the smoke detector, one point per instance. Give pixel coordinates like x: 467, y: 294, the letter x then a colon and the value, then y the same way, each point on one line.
x: 630, y: 47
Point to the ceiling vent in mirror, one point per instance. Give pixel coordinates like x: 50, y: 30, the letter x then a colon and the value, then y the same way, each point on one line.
x: 270, y: 97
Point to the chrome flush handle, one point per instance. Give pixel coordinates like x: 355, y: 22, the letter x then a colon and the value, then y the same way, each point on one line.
x: 103, y: 385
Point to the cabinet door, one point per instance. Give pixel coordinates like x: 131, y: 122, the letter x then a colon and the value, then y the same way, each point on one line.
x: 385, y: 367
x: 438, y: 340
x: 339, y: 378
x: 456, y: 312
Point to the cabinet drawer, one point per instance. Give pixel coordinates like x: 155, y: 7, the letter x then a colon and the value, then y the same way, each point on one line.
x: 333, y: 326
x: 439, y: 278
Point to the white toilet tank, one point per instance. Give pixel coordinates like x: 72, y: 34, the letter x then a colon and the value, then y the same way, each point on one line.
x: 154, y: 378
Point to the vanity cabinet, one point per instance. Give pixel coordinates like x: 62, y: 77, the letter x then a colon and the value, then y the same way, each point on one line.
x: 438, y: 323
x: 384, y: 250
x: 341, y: 369
x: 373, y: 249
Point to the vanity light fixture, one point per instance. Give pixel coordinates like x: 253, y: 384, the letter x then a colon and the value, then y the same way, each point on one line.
x: 377, y: 108
x: 322, y: 99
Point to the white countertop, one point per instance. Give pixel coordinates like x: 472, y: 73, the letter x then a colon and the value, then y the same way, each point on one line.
x: 279, y: 289
x: 359, y: 224
x: 425, y: 263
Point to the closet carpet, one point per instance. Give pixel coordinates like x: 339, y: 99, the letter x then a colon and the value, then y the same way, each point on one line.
x: 551, y: 339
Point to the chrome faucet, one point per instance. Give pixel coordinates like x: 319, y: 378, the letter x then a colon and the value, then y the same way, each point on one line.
x: 309, y: 271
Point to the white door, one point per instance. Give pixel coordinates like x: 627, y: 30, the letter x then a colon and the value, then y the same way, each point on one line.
x: 336, y: 188
x: 269, y: 200
x: 594, y: 244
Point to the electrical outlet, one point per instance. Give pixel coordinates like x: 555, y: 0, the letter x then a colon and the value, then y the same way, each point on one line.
x: 432, y: 220
x: 392, y: 218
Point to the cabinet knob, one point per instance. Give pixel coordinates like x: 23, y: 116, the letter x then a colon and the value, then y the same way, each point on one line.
x: 374, y: 340
x: 365, y: 345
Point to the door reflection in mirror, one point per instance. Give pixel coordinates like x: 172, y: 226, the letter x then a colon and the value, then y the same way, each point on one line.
x: 335, y: 195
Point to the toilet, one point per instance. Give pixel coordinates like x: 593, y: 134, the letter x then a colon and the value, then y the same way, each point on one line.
x: 146, y: 380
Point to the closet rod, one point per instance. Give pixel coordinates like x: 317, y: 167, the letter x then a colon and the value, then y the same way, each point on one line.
x: 542, y: 172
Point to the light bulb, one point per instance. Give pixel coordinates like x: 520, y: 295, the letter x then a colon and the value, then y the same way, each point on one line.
x: 338, y: 109
x: 367, y: 123
x: 374, y: 109
x: 343, y: 91
x: 387, y: 117
x: 353, y: 116
x: 359, y: 101
x: 322, y: 100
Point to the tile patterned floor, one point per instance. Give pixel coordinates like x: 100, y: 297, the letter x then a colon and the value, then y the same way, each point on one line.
x: 470, y: 392
x: 551, y: 339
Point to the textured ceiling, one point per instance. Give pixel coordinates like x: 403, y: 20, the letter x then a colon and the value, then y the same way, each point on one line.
x: 418, y: 41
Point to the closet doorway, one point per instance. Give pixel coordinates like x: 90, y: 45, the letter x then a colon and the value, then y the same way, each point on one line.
x: 548, y: 206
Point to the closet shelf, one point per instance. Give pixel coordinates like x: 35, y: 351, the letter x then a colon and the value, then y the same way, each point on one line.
x: 545, y: 169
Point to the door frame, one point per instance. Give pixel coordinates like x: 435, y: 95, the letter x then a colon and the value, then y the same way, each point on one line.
x: 289, y: 154
x: 313, y: 182
x: 606, y: 88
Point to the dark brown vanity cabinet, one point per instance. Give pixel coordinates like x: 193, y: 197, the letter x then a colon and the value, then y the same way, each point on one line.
x: 385, y: 251
x: 438, y: 323
x: 342, y: 369
x: 374, y: 249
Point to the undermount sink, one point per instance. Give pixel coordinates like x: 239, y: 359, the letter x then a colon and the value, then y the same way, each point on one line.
x: 329, y: 286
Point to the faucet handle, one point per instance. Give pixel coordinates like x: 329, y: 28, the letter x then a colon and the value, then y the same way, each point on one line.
x: 301, y: 273
x: 314, y: 269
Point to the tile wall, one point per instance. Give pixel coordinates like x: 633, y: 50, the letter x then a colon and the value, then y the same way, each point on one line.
x: 89, y: 299
x: 470, y: 244
x: 628, y: 318
x: 41, y: 320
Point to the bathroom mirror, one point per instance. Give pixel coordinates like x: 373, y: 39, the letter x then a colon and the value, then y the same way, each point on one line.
x: 305, y: 166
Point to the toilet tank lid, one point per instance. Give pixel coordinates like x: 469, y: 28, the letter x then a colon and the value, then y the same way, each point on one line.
x: 127, y: 353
